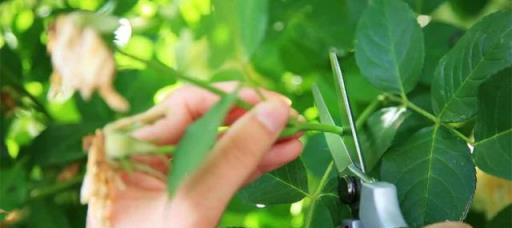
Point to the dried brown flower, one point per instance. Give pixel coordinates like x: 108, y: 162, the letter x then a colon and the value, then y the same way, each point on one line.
x: 99, y: 181
x: 81, y: 61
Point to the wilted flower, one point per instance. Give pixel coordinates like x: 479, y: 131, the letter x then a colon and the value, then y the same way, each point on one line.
x: 81, y: 61
x: 99, y: 181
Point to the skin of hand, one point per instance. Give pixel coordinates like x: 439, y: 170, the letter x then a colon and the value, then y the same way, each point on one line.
x: 247, y: 150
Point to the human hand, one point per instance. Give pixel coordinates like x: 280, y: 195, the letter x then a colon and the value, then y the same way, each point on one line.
x: 246, y: 151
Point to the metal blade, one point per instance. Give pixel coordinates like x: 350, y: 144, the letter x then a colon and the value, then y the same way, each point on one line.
x: 341, y: 83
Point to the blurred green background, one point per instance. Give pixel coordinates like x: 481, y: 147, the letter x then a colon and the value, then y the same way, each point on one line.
x: 281, y: 45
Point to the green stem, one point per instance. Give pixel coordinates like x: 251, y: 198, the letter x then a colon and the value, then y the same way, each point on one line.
x: 43, y: 192
x: 318, y: 191
x: 421, y: 111
x: 167, y: 70
x: 241, y: 103
x: 321, y: 127
x: 459, y: 134
x: 163, y: 150
x: 361, y: 120
x: 14, y: 84
x: 428, y: 115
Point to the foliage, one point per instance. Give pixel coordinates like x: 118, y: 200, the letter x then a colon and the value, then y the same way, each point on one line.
x: 432, y: 100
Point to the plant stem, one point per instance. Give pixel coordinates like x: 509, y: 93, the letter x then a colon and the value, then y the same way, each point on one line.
x: 12, y: 82
x: 241, y: 103
x: 428, y: 115
x: 321, y: 127
x: 167, y: 70
x: 164, y: 150
x: 39, y: 193
x: 318, y: 191
x: 361, y: 120
x: 459, y: 134
x: 412, y: 106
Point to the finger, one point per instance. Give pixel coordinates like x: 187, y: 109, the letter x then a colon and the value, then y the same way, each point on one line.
x: 135, y: 207
x: 145, y: 179
x: 278, y: 156
x: 233, y: 159
x: 189, y: 103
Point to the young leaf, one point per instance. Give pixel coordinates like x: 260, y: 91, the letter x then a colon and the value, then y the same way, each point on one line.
x: 493, y: 130
x: 485, y: 49
x: 381, y: 129
x: 287, y: 184
x: 339, y: 151
x: 199, y: 138
x: 389, y: 48
x: 434, y: 175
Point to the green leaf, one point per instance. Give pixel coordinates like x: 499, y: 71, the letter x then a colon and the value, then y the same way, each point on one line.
x: 485, y: 49
x: 325, y: 209
x: 381, y: 128
x: 414, y: 122
x: 59, y: 143
x: 137, y: 86
x: 439, y: 39
x: 309, y: 29
x: 339, y: 151
x: 197, y: 141
x: 357, y: 83
x: 468, y: 8
x: 239, y: 24
x: 434, y: 175
x: 502, y: 219
x: 287, y: 184
x: 34, y: 50
x: 10, y: 66
x: 253, y: 23
x: 328, y: 211
x: 493, y: 130
x: 424, y: 6
x: 14, y: 187
x: 316, y: 155
x: 5, y: 125
x: 122, y: 7
x: 389, y: 48
x: 46, y: 214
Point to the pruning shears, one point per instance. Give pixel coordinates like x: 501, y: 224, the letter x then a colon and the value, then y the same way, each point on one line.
x: 376, y: 201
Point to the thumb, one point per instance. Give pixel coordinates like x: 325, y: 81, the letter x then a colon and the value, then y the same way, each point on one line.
x: 202, y: 199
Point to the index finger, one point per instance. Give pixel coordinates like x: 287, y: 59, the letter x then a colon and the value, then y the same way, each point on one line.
x: 189, y: 103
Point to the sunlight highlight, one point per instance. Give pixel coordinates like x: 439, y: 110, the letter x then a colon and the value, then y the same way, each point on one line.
x: 389, y: 117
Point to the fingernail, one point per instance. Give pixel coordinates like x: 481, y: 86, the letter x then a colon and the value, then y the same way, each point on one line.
x: 272, y: 114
